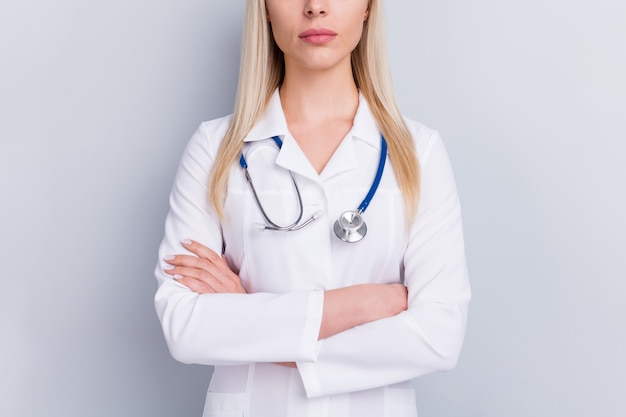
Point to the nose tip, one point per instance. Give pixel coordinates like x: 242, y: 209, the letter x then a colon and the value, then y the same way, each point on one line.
x: 314, y: 8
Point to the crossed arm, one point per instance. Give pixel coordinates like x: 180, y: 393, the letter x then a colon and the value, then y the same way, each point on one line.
x: 206, y: 272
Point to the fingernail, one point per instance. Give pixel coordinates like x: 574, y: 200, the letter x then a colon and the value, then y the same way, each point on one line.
x: 169, y: 257
x: 186, y: 241
x: 168, y: 267
x: 178, y: 276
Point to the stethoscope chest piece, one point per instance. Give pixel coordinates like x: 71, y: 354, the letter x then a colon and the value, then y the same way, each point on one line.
x: 350, y: 226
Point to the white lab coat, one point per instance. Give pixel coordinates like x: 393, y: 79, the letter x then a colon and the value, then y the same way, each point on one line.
x: 363, y: 371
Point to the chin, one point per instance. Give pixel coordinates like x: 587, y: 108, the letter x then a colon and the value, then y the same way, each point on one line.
x: 322, y: 63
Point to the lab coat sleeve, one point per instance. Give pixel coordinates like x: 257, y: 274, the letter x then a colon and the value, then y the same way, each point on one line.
x: 224, y: 329
x: 428, y: 336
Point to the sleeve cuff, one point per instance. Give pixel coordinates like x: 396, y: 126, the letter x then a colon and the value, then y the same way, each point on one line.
x: 310, y: 381
x: 313, y: 321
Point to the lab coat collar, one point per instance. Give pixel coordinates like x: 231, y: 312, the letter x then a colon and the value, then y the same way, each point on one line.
x: 365, y: 127
x: 273, y: 123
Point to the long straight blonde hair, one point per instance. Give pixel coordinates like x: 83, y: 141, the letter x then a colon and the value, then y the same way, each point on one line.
x: 262, y: 71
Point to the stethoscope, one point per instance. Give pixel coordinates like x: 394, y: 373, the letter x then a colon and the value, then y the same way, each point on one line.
x: 349, y: 227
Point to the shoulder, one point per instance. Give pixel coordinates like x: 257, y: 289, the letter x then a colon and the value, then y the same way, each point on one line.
x: 209, y: 136
x: 206, y: 140
x: 425, y: 138
x: 202, y: 148
x: 217, y: 127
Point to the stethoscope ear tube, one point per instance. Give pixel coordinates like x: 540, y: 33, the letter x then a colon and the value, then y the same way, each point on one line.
x: 270, y: 224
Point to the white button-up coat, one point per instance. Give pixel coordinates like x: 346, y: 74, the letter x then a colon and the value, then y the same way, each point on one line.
x: 362, y: 371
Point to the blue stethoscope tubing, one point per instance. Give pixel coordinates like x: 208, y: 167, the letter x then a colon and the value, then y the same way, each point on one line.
x: 350, y: 227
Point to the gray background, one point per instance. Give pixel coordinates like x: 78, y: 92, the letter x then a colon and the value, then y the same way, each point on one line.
x: 97, y: 100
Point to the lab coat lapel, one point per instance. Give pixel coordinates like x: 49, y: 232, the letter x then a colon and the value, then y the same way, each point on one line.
x: 292, y: 158
x: 364, y: 132
x: 343, y: 160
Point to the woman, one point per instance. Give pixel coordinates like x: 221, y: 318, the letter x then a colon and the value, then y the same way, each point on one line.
x: 295, y: 320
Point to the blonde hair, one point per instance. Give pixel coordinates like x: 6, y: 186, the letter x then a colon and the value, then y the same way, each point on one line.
x: 262, y: 71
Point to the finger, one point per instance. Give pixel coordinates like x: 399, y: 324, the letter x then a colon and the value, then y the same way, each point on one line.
x: 201, y: 250
x: 189, y: 277
x: 208, y: 255
x: 220, y: 276
x: 191, y: 261
x: 205, y: 280
x: 215, y: 271
x: 234, y: 279
x: 223, y: 265
x: 199, y: 275
x: 194, y: 285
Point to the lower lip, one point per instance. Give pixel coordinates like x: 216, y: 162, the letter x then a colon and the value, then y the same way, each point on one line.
x: 318, y: 39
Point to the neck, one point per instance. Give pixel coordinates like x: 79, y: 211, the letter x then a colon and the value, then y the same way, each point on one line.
x: 319, y: 96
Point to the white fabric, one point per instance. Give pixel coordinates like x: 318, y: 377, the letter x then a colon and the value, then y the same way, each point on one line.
x: 360, y: 372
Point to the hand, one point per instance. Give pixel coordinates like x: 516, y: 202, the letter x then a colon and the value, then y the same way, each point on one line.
x: 286, y: 364
x: 205, y: 272
x: 351, y: 306
x: 388, y: 300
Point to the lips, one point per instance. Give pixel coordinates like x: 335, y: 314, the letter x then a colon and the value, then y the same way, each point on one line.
x: 318, y: 35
